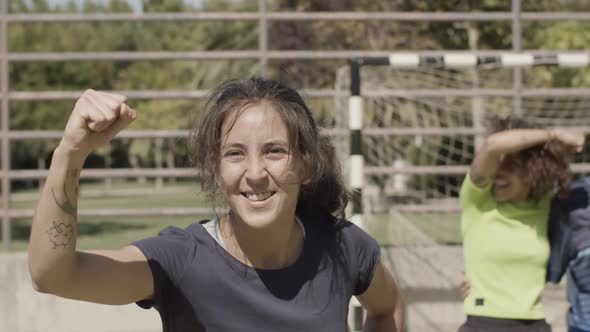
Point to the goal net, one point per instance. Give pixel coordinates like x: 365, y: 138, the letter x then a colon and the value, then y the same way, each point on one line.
x: 421, y: 127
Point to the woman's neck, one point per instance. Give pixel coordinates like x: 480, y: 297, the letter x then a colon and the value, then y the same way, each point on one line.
x: 274, y: 247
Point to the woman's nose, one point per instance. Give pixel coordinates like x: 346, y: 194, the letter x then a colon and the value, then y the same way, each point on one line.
x: 256, y: 169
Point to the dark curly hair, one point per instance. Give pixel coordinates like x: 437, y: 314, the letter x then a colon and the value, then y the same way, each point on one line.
x: 323, y: 193
x: 544, y: 166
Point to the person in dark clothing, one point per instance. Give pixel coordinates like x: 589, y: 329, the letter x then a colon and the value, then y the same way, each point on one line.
x: 569, y: 237
x: 281, y: 258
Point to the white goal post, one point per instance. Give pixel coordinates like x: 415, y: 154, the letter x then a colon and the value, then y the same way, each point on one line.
x: 442, y: 98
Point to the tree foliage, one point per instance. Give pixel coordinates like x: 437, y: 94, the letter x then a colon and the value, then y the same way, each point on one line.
x: 243, y: 35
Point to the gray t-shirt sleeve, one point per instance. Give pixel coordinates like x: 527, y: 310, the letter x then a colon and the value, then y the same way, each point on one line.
x: 365, y: 254
x: 168, y: 254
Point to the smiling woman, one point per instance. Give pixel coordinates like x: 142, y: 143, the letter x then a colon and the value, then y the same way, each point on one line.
x: 281, y: 259
x: 505, y: 202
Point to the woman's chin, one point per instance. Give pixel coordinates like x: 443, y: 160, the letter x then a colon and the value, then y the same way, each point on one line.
x: 256, y: 220
x: 501, y: 198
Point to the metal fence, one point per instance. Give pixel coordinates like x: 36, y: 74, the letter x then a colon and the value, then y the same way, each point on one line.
x: 262, y: 54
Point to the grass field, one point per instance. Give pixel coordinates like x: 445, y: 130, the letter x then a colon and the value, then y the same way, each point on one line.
x: 114, y: 232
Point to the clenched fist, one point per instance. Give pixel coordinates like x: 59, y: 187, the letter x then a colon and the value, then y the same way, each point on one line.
x: 97, y: 117
x: 572, y: 138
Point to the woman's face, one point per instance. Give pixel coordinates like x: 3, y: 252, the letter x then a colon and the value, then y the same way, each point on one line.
x: 258, y: 174
x: 511, y: 183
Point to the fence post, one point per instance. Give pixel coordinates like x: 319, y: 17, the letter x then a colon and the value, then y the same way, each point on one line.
x: 263, y: 37
x: 517, y: 46
x: 5, y: 127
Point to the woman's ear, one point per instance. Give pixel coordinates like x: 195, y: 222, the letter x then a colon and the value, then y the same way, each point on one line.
x: 305, y: 179
x: 304, y: 174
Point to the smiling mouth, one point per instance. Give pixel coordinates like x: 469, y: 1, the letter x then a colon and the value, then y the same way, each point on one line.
x: 258, y: 197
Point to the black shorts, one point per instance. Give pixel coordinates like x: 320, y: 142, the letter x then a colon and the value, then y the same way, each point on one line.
x: 488, y: 324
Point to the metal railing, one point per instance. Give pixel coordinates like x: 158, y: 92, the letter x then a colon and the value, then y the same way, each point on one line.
x: 263, y: 54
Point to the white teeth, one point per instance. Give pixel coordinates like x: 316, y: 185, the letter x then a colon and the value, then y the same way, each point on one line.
x: 258, y: 197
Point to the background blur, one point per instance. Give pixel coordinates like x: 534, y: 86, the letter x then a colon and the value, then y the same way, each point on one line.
x: 421, y: 124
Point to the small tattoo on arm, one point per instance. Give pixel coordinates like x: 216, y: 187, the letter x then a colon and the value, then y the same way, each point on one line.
x: 60, y: 234
x: 68, y: 205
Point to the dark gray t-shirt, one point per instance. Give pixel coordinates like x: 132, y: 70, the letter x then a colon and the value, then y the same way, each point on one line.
x: 198, y: 286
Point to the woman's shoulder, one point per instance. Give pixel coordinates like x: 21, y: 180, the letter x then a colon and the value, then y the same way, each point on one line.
x: 193, y: 229
x: 357, y: 235
x: 175, y: 236
x: 341, y: 232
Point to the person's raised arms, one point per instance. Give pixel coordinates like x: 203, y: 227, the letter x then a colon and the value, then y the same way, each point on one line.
x: 489, y: 156
x: 383, y: 302
x: 111, y: 277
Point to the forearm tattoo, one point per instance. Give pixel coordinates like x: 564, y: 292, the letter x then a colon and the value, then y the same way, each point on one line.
x: 66, y: 204
x: 61, y: 232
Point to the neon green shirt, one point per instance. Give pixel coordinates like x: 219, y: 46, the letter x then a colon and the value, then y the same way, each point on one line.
x: 506, y: 250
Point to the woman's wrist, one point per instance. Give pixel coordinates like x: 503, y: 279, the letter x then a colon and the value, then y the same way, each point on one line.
x: 71, y: 155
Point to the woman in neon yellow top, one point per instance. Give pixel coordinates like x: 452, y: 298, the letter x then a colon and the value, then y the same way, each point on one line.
x: 505, y: 202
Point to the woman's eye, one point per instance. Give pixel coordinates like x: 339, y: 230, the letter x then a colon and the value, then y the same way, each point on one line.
x: 277, y: 151
x: 232, y: 153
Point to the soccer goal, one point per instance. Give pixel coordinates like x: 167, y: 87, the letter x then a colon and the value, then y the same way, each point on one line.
x: 414, y: 123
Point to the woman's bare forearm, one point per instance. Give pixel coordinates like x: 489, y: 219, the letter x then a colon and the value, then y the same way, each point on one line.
x: 488, y: 157
x: 385, y: 323
x: 54, y: 264
x: 514, y: 140
x: 388, y: 322
x: 52, y: 247
x: 399, y: 314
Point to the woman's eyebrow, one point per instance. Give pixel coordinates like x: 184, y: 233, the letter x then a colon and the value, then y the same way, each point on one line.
x: 232, y: 145
x: 277, y: 142
x: 237, y: 145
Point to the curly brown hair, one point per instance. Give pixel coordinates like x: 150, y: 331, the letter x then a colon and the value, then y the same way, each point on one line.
x: 545, y: 166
